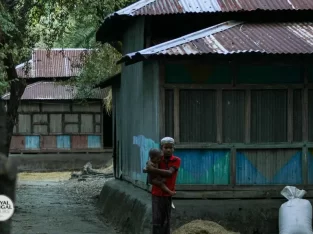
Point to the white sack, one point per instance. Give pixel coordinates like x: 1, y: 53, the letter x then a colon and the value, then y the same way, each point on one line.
x: 295, y: 215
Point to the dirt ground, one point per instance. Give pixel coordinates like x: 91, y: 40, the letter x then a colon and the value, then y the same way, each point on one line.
x: 49, y: 203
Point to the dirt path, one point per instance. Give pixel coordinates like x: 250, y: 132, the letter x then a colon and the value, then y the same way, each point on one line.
x: 58, y: 207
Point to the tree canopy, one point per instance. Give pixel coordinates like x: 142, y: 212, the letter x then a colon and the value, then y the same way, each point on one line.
x: 26, y: 24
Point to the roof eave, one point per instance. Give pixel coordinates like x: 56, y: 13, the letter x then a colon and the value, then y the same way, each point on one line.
x: 107, y: 31
x: 113, y: 80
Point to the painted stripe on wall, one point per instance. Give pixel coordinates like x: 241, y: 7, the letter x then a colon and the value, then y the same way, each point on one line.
x: 63, y: 142
x: 263, y: 167
x: 203, y: 167
x: 94, y: 142
x: 32, y: 142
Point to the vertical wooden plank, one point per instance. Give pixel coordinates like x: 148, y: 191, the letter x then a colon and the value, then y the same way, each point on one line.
x: 305, y: 116
x: 219, y: 116
x: 176, y: 115
x: 63, y: 123
x: 79, y: 123
x: 48, y: 117
x: 290, y: 115
x: 248, y: 117
x: 94, y: 122
x: 233, y: 166
x: 162, y: 100
x: 114, y: 144
x: 31, y: 123
x: 305, y: 165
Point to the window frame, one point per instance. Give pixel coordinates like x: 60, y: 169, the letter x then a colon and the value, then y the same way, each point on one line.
x: 219, y: 113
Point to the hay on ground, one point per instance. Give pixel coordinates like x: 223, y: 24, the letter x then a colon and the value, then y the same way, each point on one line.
x: 202, y: 227
x: 44, y: 176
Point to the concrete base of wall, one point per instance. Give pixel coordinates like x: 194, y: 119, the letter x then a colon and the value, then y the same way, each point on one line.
x: 126, y: 206
x: 129, y: 208
x: 59, y: 162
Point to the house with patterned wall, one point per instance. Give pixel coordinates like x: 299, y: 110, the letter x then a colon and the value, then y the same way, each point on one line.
x: 52, y: 119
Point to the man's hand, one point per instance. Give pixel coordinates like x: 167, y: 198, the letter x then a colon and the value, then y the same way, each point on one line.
x: 144, y: 170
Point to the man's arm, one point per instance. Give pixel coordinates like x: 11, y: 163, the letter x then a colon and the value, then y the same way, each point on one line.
x: 161, y: 172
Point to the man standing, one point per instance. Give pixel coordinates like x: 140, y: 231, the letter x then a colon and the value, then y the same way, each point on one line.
x: 161, y: 201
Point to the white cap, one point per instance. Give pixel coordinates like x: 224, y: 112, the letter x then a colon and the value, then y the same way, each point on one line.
x: 167, y: 140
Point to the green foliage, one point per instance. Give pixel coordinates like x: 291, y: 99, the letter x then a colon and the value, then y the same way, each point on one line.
x: 26, y: 24
x: 80, y: 33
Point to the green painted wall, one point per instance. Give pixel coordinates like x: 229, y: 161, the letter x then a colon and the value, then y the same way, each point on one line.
x: 201, y: 74
x: 223, y: 74
x: 269, y: 74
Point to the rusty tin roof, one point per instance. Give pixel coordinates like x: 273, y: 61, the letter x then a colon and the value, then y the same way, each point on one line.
x: 52, y: 64
x: 233, y: 37
x: 161, y: 7
x: 53, y: 91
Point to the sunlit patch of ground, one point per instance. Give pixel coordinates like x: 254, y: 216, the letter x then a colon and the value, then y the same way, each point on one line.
x: 49, y: 176
x: 56, y: 176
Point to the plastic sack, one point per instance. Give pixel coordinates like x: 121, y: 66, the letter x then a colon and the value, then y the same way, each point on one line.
x: 295, y: 215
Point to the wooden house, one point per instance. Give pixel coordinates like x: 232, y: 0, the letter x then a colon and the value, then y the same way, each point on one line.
x: 52, y: 120
x: 233, y: 84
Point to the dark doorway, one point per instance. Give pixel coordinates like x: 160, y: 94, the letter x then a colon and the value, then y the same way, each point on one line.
x: 107, y: 130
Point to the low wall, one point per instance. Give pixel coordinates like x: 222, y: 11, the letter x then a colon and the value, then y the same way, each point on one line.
x: 60, y: 162
x: 129, y: 208
x: 126, y: 206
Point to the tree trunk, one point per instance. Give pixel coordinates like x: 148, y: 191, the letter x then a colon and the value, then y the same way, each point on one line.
x: 8, y: 169
x: 17, y: 87
x: 8, y: 119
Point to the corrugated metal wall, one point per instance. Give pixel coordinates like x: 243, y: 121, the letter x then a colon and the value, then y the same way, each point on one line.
x: 137, y: 108
x: 233, y: 116
x: 269, y: 116
x: 197, y: 115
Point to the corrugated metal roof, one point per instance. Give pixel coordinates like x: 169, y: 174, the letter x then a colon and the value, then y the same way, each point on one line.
x: 234, y: 37
x: 161, y: 7
x: 53, y: 63
x: 53, y: 91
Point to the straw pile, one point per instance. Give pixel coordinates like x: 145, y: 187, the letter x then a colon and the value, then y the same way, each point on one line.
x: 202, y: 227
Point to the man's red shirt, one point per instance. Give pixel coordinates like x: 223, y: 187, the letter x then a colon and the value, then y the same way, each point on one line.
x: 174, y: 162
